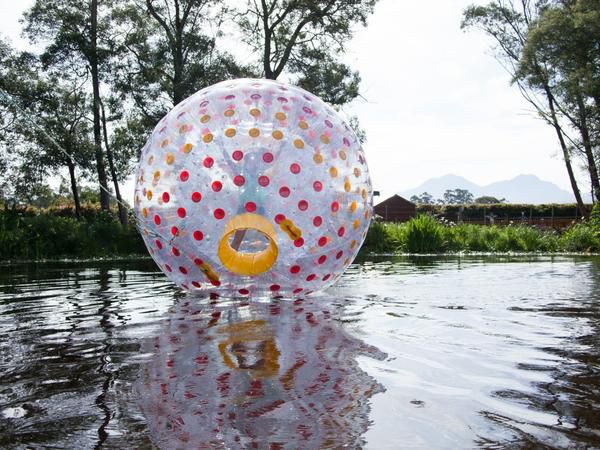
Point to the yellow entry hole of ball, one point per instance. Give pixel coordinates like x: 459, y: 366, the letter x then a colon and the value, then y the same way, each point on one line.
x: 246, y: 263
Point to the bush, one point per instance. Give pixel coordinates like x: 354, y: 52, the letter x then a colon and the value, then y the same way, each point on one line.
x: 595, y: 218
x: 581, y: 238
x: 40, y: 234
x: 424, y: 234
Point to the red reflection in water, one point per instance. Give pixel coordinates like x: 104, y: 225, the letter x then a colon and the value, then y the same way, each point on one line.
x: 263, y: 375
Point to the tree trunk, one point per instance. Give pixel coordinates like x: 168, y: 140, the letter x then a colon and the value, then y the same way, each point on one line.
x: 93, y: 60
x: 113, y: 172
x: 177, y: 49
x: 588, y: 147
x: 267, y: 48
x: 566, y: 155
x: 74, y: 191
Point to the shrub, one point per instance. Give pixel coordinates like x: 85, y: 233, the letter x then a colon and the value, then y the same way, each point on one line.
x: 424, y: 234
x: 40, y: 234
x: 581, y: 237
x: 595, y: 218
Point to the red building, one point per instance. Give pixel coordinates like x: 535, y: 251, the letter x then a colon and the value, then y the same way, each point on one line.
x: 396, y: 209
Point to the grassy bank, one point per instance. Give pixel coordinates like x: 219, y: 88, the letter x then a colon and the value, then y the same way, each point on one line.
x: 425, y: 234
x: 35, y: 234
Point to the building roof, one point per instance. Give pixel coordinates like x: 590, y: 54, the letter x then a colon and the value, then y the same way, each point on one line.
x: 395, y: 200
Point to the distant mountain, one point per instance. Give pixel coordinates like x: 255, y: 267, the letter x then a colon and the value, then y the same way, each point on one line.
x: 521, y: 189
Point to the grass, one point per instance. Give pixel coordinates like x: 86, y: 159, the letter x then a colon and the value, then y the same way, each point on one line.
x: 39, y: 234
x: 34, y: 234
x: 425, y: 234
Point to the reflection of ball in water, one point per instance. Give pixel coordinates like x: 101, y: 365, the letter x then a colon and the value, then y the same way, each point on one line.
x: 253, y: 186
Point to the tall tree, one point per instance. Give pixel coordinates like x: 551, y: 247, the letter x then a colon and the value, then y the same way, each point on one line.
x: 304, y: 40
x: 457, y: 197
x: 508, y: 22
x: 565, y: 39
x: 168, y: 53
x: 74, y: 33
x: 49, y: 126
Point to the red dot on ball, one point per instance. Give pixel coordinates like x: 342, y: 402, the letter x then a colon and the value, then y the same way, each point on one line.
x: 268, y: 157
x: 184, y: 175
x: 198, y: 261
x: 341, y: 231
x: 335, y: 206
x: 302, y: 205
x: 322, y: 241
x: 198, y: 235
x: 237, y: 155
x: 295, y: 269
x: 239, y: 180
x: 250, y: 206
x: 318, y: 186
x: 181, y: 212
x: 299, y: 242
x: 219, y: 213
x: 317, y: 221
x: 157, y: 219
x: 183, y: 270
x: 166, y: 197
x: 174, y: 231
x: 208, y: 162
x: 295, y: 168
x: 263, y: 180
x: 322, y: 259
x: 279, y: 218
x: 217, y: 186
x: 244, y: 291
x: 311, y: 277
x: 284, y: 191
x: 275, y: 287
x: 339, y: 254
x: 196, y: 197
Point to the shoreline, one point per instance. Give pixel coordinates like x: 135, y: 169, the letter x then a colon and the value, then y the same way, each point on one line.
x: 361, y: 257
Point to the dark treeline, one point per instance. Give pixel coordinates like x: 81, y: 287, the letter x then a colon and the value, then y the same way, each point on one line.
x: 551, y: 48
x: 108, y: 70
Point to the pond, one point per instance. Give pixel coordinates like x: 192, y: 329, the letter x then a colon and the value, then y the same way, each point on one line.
x: 403, y: 352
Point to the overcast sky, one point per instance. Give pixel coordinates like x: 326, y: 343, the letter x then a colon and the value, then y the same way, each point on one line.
x: 436, y: 101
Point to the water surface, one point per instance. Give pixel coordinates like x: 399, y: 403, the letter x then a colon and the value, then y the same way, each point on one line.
x: 403, y: 352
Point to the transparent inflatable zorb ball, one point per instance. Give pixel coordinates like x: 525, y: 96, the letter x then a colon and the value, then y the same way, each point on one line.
x: 251, y: 187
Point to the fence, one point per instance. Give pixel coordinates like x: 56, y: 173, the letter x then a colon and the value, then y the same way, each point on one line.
x: 541, y: 222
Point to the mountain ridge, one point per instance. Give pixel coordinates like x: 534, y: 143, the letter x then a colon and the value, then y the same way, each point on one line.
x: 524, y: 188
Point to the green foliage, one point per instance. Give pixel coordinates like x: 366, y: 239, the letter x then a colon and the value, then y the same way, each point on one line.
x: 550, y: 48
x: 457, y: 197
x: 488, y: 200
x: 595, y: 217
x: 424, y: 234
x: 305, y: 39
x: 581, y: 238
x: 40, y: 234
x: 379, y: 238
